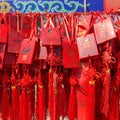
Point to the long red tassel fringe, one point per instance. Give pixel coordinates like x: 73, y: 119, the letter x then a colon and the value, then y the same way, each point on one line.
x: 5, y: 101
x: 40, y: 98
x: 72, y: 110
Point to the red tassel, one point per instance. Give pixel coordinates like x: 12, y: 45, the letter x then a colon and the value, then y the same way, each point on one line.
x: 15, y: 96
x: 23, y: 109
x: 40, y: 98
x: 23, y: 105
x: 50, y: 88
x: 25, y: 98
x: 72, y: 110
x: 14, y: 108
x: 32, y: 100
x: 5, y: 101
x: 66, y: 78
x: 53, y: 95
x: 114, y: 100
x: 62, y: 110
x: 54, y: 115
x: 114, y: 95
x: 29, y: 94
x: 105, y: 93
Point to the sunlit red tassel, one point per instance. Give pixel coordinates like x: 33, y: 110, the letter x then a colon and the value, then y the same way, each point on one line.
x: 40, y: 97
x: 54, y: 105
x: 72, y: 109
x: 14, y: 108
x: 50, y: 89
x: 105, y: 93
x: 62, y: 110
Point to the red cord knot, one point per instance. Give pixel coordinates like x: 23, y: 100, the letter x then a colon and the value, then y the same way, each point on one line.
x: 107, y: 58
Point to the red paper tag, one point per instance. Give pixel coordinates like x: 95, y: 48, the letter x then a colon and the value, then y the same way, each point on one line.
x: 104, y: 31
x: 70, y: 55
x: 14, y: 41
x: 50, y: 36
x: 87, y: 46
x: 27, y: 51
